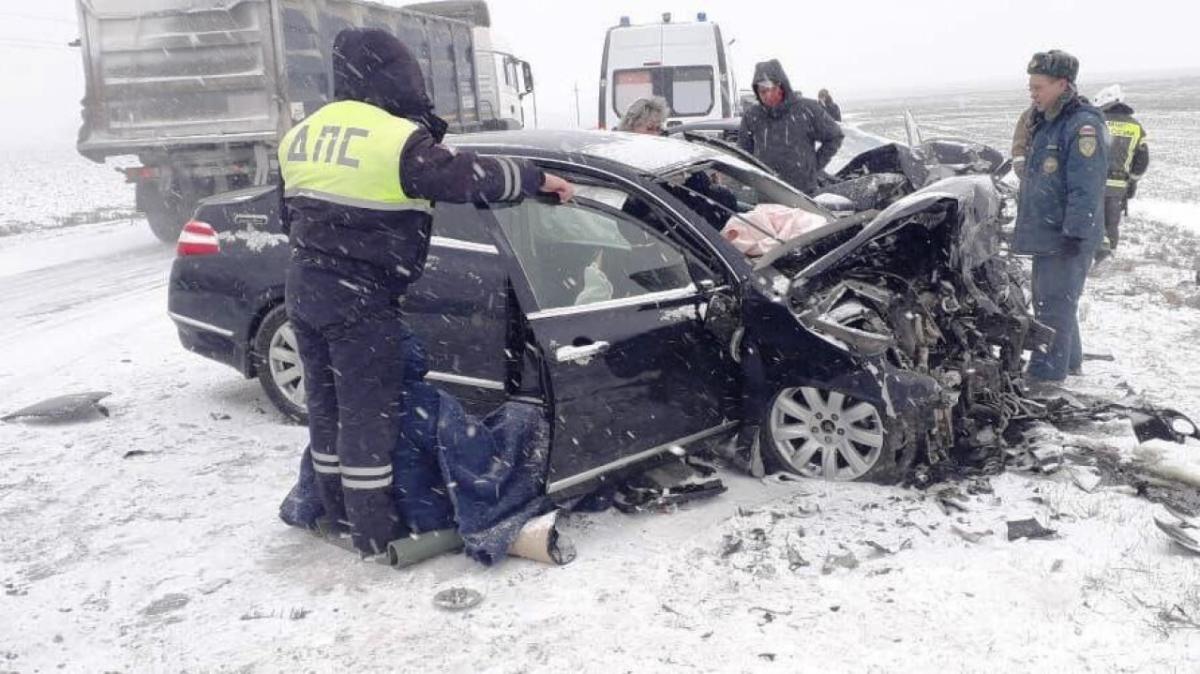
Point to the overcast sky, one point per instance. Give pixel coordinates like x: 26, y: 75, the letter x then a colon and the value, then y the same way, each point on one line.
x: 857, y: 49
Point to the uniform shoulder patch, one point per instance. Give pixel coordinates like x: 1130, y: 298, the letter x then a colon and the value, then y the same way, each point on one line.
x: 1087, y: 130
x: 1087, y: 143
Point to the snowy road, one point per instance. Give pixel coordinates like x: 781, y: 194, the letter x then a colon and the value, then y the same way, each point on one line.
x: 67, y: 294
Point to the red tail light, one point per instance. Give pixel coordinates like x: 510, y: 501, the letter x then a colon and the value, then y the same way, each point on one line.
x: 135, y: 174
x: 198, y: 238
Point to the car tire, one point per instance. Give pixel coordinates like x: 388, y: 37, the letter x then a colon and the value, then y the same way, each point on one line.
x: 854, y: 439
x: 277, y: 362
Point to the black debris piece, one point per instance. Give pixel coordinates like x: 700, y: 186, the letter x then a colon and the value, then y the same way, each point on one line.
x: 879, y: 549
x: 72, y: 407
x: 846, y: 561
x: 970, y: 536
x: 1030, y: 528
x: 671, y: 484
x: 731, y: 544
x: 796, y: 560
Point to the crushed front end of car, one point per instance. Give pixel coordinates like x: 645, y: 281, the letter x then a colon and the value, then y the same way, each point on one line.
x: 925, y: 287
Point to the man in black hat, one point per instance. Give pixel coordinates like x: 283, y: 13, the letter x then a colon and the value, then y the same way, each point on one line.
x: 359, y: 178
x: 1060, y: 218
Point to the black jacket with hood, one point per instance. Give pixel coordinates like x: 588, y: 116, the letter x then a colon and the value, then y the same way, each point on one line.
x: 797, y: 138
x: 388, y: 248
x: 832, y: 109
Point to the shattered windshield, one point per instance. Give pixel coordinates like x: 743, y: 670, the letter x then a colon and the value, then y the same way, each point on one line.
x: 752, y: 210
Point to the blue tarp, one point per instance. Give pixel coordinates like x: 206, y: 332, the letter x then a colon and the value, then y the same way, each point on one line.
x: 484, y: 477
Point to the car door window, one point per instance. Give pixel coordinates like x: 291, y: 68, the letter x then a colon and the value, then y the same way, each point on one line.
x: 459, y: 222
x: 587, y: 252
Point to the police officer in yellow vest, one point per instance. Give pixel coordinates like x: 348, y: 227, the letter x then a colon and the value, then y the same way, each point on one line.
x: 1128, y: 159
x: 359, y: 178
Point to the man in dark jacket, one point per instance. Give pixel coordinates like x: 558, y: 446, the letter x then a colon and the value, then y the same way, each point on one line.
x: 792, y: 135
x: 1128, y: 159
x: 831, y: 108
x: 1060, y: 217
x: 359, y: 176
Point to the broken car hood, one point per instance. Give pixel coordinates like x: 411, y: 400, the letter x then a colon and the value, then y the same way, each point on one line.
x: 975, y: 201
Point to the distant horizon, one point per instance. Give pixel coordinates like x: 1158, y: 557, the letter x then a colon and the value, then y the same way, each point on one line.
x: 1017, y: 84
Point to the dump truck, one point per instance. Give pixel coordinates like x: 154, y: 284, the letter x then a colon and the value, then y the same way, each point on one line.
x: 201, y: 91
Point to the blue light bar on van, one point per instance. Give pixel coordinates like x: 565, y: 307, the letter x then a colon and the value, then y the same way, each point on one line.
x: 666, y: 17
x: 702, y: 17
x: 624, y: 21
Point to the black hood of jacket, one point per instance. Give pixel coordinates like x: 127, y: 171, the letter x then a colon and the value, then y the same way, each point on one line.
x: 773, y: 70
x: 372, y: 66
x: 1117, y: 109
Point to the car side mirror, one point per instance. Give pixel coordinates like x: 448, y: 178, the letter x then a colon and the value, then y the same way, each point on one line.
x: 720, y: 311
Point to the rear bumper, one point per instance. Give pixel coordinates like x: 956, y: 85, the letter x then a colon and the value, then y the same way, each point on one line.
x: 213, y: 343
x: 214, y: 311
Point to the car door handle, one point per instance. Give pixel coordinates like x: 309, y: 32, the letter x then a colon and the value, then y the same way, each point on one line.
x: 566, y: 354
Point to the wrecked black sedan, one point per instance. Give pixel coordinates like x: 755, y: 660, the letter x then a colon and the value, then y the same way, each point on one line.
x: 842, y: 353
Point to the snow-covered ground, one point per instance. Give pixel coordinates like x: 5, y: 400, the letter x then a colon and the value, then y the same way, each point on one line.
x: 148, y: 540
x: 52, y: 187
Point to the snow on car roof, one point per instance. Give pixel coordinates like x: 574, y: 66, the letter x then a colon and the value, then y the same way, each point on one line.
x: 651, y: 154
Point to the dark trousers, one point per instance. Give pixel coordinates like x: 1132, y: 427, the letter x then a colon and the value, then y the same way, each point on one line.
x: 1058, y: 282
x: 352, y: 344
x: 1113, y: 208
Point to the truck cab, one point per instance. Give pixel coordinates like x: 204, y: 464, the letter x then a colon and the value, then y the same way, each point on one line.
x: 687, y: 63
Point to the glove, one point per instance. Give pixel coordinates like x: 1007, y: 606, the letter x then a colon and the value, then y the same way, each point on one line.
x: 1071, y: 246
x: 1131, y: 191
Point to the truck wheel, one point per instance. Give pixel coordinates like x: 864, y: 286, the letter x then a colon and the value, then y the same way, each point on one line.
x: 165, y: 214
x: 827, y: 434
x: 277, y: 361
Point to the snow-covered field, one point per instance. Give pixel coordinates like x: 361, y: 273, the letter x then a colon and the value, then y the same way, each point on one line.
x: 148, y: 541
x: 53, y: 187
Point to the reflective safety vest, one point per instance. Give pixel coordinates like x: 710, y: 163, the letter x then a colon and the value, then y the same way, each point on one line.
x: 1126, y: 137
x: 348, y: 153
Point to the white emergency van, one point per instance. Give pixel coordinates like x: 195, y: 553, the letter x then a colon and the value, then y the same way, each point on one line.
x: 687, y: 63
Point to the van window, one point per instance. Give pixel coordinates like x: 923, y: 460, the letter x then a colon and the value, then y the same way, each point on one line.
x: 630, y: 85
x: 692, y: 91
x: 687, y: 89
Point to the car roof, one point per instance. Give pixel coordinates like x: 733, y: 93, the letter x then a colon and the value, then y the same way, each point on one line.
x: 644, y: 153
x: 716, y: 124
